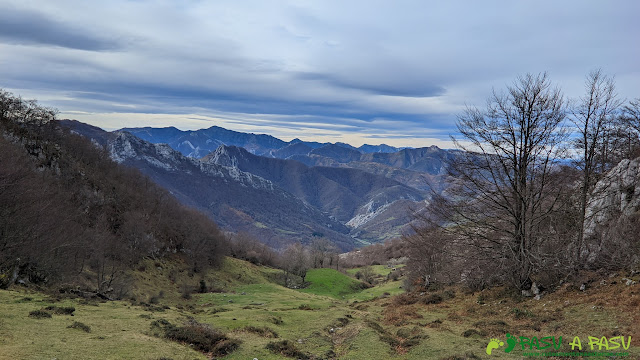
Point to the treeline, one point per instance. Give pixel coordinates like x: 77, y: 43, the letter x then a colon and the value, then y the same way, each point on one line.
x: 70, y: 214
x: 533, y: 201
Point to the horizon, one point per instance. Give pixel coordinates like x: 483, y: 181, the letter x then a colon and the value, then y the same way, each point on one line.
x: 358, y: 73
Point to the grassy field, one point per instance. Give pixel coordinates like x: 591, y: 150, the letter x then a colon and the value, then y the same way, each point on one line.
x: 332, y: 318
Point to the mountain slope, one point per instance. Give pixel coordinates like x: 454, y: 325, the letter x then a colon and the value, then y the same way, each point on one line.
x: 237, y: 200
x: 198, y: 143
x: 341, y: 192
x: 201, y: 142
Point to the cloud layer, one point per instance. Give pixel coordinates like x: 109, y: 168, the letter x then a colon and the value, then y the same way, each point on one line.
x: 367, y: 71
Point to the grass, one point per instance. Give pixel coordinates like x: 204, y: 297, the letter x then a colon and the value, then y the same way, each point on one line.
x: 330, y: 282
x: 315, y: 322
x: 380, y: 270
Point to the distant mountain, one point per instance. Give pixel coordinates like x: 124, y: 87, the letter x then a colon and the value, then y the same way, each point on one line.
x: 236, y: 199
x: 370, y: 190
x: 292, y: 149
x: 201, y: 142
x: 198, y: 143
x: 382, y: 148
x: 341, y: 192
x: 337, y: 152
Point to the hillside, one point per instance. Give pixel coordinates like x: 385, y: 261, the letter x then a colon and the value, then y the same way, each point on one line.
x: 235, y: 199
x: 69, y: 214
x: 248, y: 307
x: 340, y: 192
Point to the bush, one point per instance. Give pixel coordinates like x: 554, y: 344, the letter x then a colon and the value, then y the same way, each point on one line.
x: 203, y: 287
x: 40, y: 314
x: 262, y: 331
x: 80, y: 326
x: 405, y: 299
x: 431, y: 299
x: 286, y: 348
x: 473, y: 332
x: 60, y: 310
x: 521, y: 314
x: 201, y: 336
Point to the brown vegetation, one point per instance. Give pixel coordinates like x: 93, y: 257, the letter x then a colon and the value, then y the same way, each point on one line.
x: 68, y: 213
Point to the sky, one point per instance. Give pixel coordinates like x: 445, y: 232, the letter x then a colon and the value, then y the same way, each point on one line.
x: 394, y: 72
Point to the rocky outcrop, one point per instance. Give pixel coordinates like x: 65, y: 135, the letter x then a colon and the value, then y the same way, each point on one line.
x: 611, y: 217
x: 617, y: 194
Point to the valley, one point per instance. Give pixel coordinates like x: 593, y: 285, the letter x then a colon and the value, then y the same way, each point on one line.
x: 329, y: 319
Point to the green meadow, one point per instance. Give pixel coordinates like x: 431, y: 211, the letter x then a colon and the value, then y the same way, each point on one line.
x: 334, y: 317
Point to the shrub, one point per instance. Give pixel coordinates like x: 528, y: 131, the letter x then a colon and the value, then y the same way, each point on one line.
x: 201, y: 336
x: 405, y: 299
x: 431, y: 299
x: 521, y: 314
x: 473, y: 332
x: 203, y: 287
x: 262, y: 331
x: 80, y: 326
x: 61, y: 310
x: 286, y: 348
x: 40, y: 314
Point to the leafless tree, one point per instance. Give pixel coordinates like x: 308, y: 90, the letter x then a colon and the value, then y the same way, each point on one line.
x: 593, y: 117
x: 506, y: 192
x: 631, y: 114
x: 295, y: 261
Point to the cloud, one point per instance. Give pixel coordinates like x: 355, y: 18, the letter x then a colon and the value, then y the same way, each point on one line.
x: 28, y: 27
x: 351, y: 69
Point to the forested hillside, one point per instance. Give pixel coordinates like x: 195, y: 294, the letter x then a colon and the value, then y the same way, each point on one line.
x: 69, y: 213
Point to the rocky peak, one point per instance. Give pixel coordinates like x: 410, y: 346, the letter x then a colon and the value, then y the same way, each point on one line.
x: 225, y: 156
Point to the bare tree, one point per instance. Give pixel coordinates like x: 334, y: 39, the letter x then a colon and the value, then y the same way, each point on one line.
x: 506, y: 191
x: 592, y: 116
x: 295, y: 261
x: 631, y: 114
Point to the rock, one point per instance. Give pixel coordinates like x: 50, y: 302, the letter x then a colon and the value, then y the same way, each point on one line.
x: 616, y: 196
x: 583, y: 287
x: 243, y: 293
x: 300, y: 341
x: 332, y: 330
x: 629, y: 282
x: 230, y: 301
x: 535, y: 289
x: 537, y: 297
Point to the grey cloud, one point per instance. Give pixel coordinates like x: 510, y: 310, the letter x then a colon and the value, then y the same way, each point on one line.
x: 381, y: 83
x: 20, y: 26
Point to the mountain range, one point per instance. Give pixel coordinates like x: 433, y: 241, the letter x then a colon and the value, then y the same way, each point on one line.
x: 198, y: 143
x: 283, y: 192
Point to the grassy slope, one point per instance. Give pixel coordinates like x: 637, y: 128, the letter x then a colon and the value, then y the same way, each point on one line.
x: 360, y: 325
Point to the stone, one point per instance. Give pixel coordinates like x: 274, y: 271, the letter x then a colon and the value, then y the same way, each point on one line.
x: 535, y: 289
